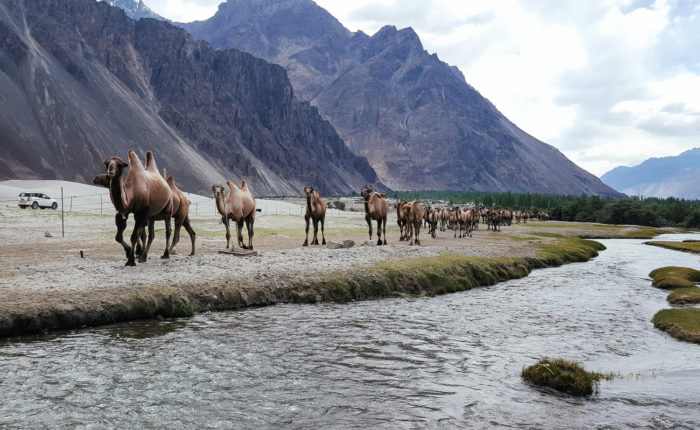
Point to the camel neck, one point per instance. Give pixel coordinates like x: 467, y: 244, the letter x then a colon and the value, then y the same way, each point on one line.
x: 220, y: 206
x: 116, y: 193
x: 367, y: 203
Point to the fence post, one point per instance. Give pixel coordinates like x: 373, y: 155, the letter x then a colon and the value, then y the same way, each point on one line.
x: 100, y: 204
x: 71, y: 204
x: 63, y: 228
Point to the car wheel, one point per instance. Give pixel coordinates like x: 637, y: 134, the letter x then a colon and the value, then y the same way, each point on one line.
x: 24, y: 207
x: 54, y: 206
x: 35, y: 205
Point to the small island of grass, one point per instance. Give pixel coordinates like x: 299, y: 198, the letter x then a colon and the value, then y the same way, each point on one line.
x: 683, y: 324
x: 564, y: 376
x: 685, y: 246
x: 680, y: 280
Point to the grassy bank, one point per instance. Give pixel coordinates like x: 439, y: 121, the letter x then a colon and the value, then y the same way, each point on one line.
x: 686, y: 246
x: 564, y: 376
x: 681, y: 323
x: 408, y: 277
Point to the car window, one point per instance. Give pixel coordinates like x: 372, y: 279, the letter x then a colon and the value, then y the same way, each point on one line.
x: 23, y: 195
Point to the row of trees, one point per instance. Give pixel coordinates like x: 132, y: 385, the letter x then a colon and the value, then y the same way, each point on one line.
x: 654, y: 212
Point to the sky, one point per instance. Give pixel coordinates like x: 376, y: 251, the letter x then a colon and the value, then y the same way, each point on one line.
x: 607, y: 82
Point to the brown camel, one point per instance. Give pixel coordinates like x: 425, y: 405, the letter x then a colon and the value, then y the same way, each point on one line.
x: 376, y: 208
x: 316, y: 211
x: 413, y: 213
x: 239, y: 206
x: 145, y: 194
x: 401, y: 218
x: 120, y: 221
x: 181, y: 215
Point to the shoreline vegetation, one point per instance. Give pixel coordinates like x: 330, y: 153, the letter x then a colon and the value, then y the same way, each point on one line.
x: 406, y: 277
x: 681, y: 323
x: 685, y: 246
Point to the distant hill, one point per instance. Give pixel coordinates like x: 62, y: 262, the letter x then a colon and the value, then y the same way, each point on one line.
x: 414, y: 117
x: 79, y: 81
x: 677, y: 176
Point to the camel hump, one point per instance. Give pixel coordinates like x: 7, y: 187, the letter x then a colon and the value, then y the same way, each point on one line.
x: 171, y: 181
x: 382, y: 195
x: 151, y: 162
x: 134, y: 161
x: 243, y: 185
x: 231, y: 185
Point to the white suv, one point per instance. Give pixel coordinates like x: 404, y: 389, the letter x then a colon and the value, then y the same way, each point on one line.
x: 36, y: 200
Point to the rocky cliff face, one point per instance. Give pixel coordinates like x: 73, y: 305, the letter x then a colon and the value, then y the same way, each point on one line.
x: 135, y: 9
x: 415, y: 118
x: 80, y: 81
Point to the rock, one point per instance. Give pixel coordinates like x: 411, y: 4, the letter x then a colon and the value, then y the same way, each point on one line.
x: 368, y: 243
x: 334, y: 245
x: 48, y: 234
x: 348, y: 243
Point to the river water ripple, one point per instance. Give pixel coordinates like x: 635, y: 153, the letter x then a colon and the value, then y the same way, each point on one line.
x: 448, y: 361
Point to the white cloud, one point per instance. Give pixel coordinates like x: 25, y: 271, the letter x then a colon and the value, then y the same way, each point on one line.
x: 594, y: 78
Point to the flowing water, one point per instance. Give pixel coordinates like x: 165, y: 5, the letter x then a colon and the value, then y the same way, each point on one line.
x: 448, y: 361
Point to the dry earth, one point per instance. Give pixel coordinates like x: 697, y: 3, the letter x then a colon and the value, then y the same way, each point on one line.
x: 37, y: 270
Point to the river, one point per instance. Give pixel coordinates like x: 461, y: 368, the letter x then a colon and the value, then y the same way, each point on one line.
x: 447, y: 361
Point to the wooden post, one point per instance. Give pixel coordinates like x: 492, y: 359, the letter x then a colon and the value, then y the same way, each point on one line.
x: 71, y: 204
x: 100, y: 204
x: 63, y: 228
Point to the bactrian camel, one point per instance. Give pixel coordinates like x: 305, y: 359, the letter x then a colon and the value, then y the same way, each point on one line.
x: 239, y: 206
x: 401, y: 219
x: 413, y: 214
x: 376, y: 208
x: 144, y: 193
x: 316, y: 211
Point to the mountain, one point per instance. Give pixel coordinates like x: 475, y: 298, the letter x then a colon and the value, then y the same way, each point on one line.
x: 80, y: 81
x: 134, y: 9
x: 677, y: 176
x: 414, y: 117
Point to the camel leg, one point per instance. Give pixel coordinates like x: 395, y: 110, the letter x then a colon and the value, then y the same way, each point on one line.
x: 119, y: 237
x: 239, y: 233
x: 141, y: 243
x: 323, y: 235
x: 140, y: 220
x: 401, y: 231
x: 151, y: 235
x: 190, y: 231
x: 176, y: 237
x: 168, y: 232
x: 369, y: 224
x: 379, y: 231
x: 409, y: 233
x: 306, y: 241
x: 384, y: 231
x: 228, y: 231
x: 315, y: 241
x: 417, y: 234
x: 249, y: 222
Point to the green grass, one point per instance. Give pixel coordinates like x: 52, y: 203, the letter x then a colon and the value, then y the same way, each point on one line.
x: 564, y: 376
x: 567, y: 249
x: 681, y: 280
x: 682, y: 323
x: 693, y: 247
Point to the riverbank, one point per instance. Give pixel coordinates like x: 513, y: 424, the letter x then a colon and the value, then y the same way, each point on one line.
x: 47, y: 286
x: 681, y: 323
x: 685, y: 246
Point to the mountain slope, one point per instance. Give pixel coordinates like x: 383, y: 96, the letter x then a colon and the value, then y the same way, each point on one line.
x: 415, y: 118
x: 676, y: 176
x: 80, y: 81
x: 135, y: 9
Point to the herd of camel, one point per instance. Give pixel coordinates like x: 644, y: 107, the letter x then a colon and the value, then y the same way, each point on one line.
x: 150, y: 197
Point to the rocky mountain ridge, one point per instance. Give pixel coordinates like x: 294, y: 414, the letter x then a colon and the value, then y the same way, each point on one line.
x: 414, y: 117
x: 80, y: 81
x: 675, y: 176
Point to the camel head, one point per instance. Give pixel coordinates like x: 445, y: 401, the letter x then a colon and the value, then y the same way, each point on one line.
x: 366, y: 191
x: 115, y: 166
x: 218, y: 190
x: 101, y: 180
x: 308, y: 190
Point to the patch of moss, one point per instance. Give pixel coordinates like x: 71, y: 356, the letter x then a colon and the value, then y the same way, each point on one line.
x: 163, y: 301
x: 567, y: 249
x: 671, y: 277
x: 693, y: 247
x: 683, y: 323
x: 564, y: 376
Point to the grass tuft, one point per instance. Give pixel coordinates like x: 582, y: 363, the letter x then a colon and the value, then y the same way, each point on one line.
x: 564, y: 376
x: 682, y: 323
x: 693, y: 247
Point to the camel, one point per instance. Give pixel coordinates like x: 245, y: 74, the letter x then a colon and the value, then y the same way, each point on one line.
x: 413, y: 213
x: 145, y: 194
x: 316, y: 211
x: 376, y: 208
x: 120, y: 221
x: 239, y: 206
x: 181, y: 215
x: 400, y: 219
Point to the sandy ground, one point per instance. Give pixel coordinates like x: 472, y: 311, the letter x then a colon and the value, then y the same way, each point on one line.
x: 36, y: 268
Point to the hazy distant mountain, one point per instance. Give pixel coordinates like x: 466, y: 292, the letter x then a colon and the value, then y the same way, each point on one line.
x: 80, y: 81
x: 415, y: 118
x: 135, y: 9
x: 677, y: 176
